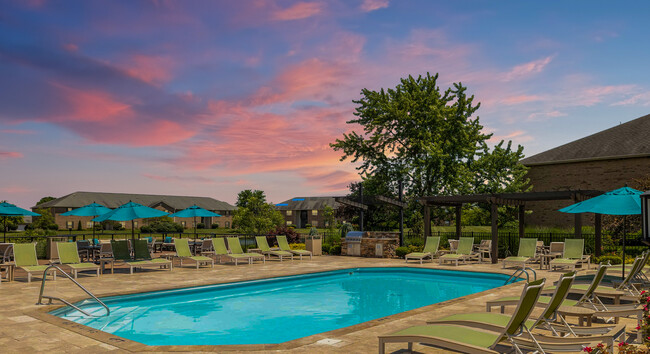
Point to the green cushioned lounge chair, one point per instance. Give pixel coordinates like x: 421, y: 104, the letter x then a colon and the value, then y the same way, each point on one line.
x: 430, y: 250
x: 69, y: 257
x: 463, y: 252
x: 572, y: 256
x: 526, y: 254
x: 142, y: 255
x: 284, y: 246
x: 630, y: 284
x: 235, y: 248
x: 221, y: 251
x: 263, y: 244
x: 183, y: 253
x: 25, y: 259
x: 546, y: 321
x: 477, y: 340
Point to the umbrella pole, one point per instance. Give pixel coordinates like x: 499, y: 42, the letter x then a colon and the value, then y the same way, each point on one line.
x: 4, y: 229
x: 624, y: 234
x: 195, y: 229
x: 133, y: 232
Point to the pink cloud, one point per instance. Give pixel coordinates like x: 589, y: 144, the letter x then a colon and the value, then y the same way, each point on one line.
x: 17, y: 131
x: 91, y: 105
x: 5, y: 155
x: 15, y: 189
x: 372, y: 5
x: 642, y: 99
x: 517, y: 136
x: 151, y: 69
x: 199, y: 179
x: 71, y: 47
x: 328, y: 181
x: 298, y: 11
x: 513, y: 100
x: 527, y: 69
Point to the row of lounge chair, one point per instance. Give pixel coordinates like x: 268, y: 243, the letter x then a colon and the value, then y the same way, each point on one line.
x: 138, y: 255
x: 484, y: 332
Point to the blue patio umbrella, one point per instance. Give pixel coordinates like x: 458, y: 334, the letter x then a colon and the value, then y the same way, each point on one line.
x: 92, y: 209
x: 193, y: 212
x: 131, y: 211
x: 7, y: 209
x: 623, y: 201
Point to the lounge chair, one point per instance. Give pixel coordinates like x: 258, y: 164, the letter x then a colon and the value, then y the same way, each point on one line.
x: 183, y: 253
x: 25, y: 259
x: 6, y: 252
x: 284, y: 246
x: 207, y: 248
x: 546, y: 321
x: 429, y: 251
x: 484, y: 250
x: 263, y: 244
x: 235, y: 248
x: 630, y: 284
x: 526, y: 254
x: 142, y: 256
x: 69, y: 257
x: 475, y: 340
x: 221, y: 251
x: 463, y: 253
x: 572, y: 256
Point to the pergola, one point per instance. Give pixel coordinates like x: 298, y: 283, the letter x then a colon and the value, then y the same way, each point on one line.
x: 513, y: 199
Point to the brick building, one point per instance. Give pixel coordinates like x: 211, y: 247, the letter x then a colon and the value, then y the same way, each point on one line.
x: 168, y: 203
x: 603, y: 161
x: 301, y: 211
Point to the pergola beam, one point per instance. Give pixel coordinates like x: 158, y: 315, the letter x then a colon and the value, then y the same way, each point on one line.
x: 348, y: 202
x: 391, y: 201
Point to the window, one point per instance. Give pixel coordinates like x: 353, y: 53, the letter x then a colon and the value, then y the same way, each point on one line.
x: 69, y: 224
x: 183, y: 223
x: 69, y: 209
x: 135, y: 224
x: 288, y: 212
x: 289, y: 223
x: 314, y: 223
x: 227, y: 224
x: 89, y: 225
x: 123, y: 224
x: 314, y: 212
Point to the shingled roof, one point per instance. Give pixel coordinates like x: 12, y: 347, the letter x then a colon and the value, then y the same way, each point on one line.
x: 631, y: 139
x: 114, y: 200
x: 307, y: 203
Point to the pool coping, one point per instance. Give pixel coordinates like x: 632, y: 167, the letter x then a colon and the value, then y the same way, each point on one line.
x: 44, y: 315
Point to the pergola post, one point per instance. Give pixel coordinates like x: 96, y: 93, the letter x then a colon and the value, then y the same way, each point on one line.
x: 427, y: 221
x: 598, y: 226
x: 495, y: 233
x: 522, y: 213
x: 458, y: 213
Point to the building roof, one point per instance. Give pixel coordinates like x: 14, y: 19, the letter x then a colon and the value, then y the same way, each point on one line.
x: 308, y: 203
x: 625, y: 140
x: 114, y: 200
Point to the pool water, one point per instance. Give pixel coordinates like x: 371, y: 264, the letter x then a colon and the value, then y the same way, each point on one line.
x: 277, y: 310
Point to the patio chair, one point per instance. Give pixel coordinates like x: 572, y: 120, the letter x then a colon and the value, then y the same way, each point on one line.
x: 546, y: 321
x: 183, y: 253
x: 263, y: 244
x: 284, y: 246
x: 463, y: 253
x: 235, y: 248
x: 572, y: 256
x: 6, y: 252
x: 221, y: 251
x: 84, y: 249
x: 453, y: 246
x: 485, y: 250
x: 430, y: 250
x: 556, y: 248
x: 207, y: 248
x: 141, y: 253
x: 526, y: 254
x: 476, y: 340
x: 69, y: 257
x: 25, y: 259
x: 168, y: 243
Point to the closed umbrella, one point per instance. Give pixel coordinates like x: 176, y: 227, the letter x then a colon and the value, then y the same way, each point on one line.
x: 131, y: 211
x: 623, y: 201
x: 7, y: 209
x: 93, y: 210
x: 193, y: 212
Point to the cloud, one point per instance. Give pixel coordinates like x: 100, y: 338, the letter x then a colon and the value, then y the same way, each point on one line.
x: 528, y: 69
x: 642, y: 99
x: 6, y: 155
x: 298, y: 11
x: 17, y: 131
x: 198, y: 179
x: 517, y: 136
x: 150, y: 69
x: 519, y: 99
x: 327, y: 181
x: 372, y: 5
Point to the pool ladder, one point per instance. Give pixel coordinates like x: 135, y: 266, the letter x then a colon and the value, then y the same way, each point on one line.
x: 518, y: 274
x: 50, y: 298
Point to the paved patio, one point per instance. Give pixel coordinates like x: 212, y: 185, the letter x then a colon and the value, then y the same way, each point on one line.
x: 27, y: 329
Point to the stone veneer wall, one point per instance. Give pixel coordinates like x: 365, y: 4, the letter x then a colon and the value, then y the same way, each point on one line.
x: 389, y: 240
x: 602, y: 175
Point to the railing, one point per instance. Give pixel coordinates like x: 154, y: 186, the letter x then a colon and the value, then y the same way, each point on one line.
x: 50, y: 298
x: 519, y: 272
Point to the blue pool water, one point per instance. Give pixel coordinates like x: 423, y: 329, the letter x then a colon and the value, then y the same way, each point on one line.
x: 277, y: 310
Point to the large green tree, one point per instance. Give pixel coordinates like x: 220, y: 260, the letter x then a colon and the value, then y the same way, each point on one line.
x: 254, y: 214
x: 429, y: 139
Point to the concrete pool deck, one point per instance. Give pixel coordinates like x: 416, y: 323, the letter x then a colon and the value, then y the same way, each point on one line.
x: 27, y: 328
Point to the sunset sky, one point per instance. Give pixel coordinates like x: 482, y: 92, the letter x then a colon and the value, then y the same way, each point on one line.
x: 212, y: 97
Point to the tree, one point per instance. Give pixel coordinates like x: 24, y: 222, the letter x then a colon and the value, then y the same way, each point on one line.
x: 45, y: 200
x: 328, y: 217
x: 430, y: 140
x: 254, y: 214
x: 45, y: 221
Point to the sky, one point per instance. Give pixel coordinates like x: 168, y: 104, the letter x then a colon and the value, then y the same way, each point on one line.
x: 209, y: 98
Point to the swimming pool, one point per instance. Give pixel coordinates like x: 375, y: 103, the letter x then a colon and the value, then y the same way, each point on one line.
x: 277, y: 310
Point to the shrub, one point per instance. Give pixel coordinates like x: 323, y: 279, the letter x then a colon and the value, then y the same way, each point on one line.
x: 79, y: 226
x: 297, y: 246
x: 292, y: 235
x: 146, y: 229
x: 307, y: 225
x: 612, y: 259
x: 415, y: 248
x: 313, y: 231
x: 400, y: 252
x: 200, y: 225
x: 335, y: 250
x: 214, y: 225
x: 292, y: 226
x: 53, y: 227
x: 326, y: 248
x: 117, y: 226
